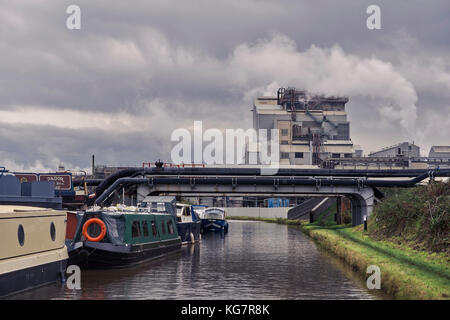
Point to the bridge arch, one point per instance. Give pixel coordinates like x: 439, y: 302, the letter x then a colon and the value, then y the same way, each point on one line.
x: 362, y: 198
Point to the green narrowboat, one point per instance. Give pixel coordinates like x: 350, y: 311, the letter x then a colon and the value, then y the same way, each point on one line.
x: 108, y: 239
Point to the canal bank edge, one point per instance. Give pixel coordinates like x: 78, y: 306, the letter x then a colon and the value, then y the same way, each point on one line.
x: 406, y: 274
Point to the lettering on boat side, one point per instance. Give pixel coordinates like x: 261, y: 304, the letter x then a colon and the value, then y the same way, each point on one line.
x: 230, y: 309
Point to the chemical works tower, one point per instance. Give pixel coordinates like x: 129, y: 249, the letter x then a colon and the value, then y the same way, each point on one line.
x: 311, y: 128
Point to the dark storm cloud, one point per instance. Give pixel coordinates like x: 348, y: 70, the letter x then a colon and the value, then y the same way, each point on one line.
x: 30, y: 145
x: 172, y: 62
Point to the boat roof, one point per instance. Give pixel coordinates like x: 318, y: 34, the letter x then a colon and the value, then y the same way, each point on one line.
x: 215, y: 209
x: 170, y: 199
x: 182, y: 204
x: 15, y: 211
x: 14, y: 208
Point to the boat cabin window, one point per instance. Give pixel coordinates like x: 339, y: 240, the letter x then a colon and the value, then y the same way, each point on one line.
x: 158, y: 207
x: 163, y: 227
x: 170, y: 226
x: 145, y: 228
x: 135, y: 229
x: 143, y: 205
x: 154, y: 231
x: 213, y: 215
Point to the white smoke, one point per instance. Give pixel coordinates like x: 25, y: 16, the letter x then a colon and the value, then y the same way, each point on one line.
x: 331, y: 71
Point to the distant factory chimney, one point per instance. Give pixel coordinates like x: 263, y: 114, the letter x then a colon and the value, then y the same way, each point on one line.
x: 93, y: 164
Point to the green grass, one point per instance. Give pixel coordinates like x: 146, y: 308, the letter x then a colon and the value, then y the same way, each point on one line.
x: 405, y: 273
x: 326, y: 218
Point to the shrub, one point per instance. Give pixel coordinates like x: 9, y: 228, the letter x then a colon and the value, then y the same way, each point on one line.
x: 419, y: 216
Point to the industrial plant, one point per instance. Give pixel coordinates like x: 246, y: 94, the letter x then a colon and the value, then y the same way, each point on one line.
x: 311, y: 128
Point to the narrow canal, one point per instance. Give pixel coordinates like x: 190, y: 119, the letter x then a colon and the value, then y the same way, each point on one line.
x: 255, y: 260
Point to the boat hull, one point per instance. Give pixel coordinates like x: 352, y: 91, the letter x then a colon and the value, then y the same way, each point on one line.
x: 212, y: 225
x: 32, y: 247
x: 97, y: 255
x: 185, y: 229
x: 33, y: 276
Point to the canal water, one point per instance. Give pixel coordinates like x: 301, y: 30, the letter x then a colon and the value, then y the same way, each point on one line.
x: 255, y: 260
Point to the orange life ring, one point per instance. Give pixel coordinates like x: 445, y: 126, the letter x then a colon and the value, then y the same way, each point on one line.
x: 102, y: 233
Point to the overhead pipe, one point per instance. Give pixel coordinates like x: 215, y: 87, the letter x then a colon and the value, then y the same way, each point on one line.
x: 284, y: 181
x: 102, y: 186
x: 89, y: 182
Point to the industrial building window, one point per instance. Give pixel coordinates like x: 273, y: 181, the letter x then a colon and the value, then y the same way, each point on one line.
x: 296, y: 131
x: 343, y: 131
x: 284, y: 155
x: 347, y: 155
x: 335, y: 155
x: 284, y: 132
x: 299, y: 155
x: 284, y: 141
x: 135, y: 229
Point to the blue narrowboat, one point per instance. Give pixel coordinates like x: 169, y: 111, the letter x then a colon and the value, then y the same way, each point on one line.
x: 214, y: 219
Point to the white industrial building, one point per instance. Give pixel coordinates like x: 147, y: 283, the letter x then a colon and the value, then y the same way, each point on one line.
x: 403, y: 149
x: 439, y: 152
x: 311, y: 128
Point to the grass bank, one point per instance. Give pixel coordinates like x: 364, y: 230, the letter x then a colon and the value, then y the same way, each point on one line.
x: 416, y: 217
x: 405, y: 273
x: 407, y: 238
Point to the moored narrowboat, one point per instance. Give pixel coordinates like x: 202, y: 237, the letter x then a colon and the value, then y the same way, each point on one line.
x: 108, y: 238
x: 189, y: 224
x: 32, y: 249
x: 188, y: 221
x: 214, y: 219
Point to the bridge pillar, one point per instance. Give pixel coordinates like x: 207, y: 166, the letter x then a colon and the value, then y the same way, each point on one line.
x: 362, y: 205
x: 338, y: 210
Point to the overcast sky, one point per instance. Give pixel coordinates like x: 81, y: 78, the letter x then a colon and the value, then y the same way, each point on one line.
x: 137, y: 70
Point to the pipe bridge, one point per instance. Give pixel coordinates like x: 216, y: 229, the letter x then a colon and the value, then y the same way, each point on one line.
x: 362, y: 191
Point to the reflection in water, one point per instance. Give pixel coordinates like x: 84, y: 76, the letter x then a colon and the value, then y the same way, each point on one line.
x: 255, y: 260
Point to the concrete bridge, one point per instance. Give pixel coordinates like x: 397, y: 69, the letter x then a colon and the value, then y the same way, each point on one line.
x: 362, y: 197
x: 361, y: 190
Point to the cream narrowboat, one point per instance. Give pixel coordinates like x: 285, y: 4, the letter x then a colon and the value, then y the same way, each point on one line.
x: 32, y: 248
x: 32, y: 234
